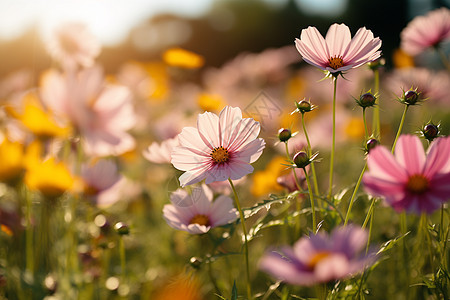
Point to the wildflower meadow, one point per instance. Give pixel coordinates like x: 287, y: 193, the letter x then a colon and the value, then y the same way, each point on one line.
x: 315, y: 170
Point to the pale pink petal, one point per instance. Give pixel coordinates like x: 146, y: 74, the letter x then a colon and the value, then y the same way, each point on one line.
x: 363, y: 48
x: 246, y: 132
x: 251, y: 151
x: 382, y: 164
x: 316, y: 46
x: 201, y: 203
x: 208, y: 128
x: 197, y: 228
x: 378, y: 186
x: 193, y: 176
x: 409, y: 154
x: 185, y: 159
x: 337, y: 39
x: 438, y: 158
x: 333, y: 266
x: 190, y: 138
x: 222, y: 211
x: 230, y: 122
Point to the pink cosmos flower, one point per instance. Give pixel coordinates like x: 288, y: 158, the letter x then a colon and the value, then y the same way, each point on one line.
x: 101, y: 113
x: 220, y: 148
x: 161, y: 153
x: 197, y: 213
x: 411, y: 180
x: 426, y: 31
x: 432, y: 85
x: 73, y: 44
x: 320, y: 258
x: 338, y: 52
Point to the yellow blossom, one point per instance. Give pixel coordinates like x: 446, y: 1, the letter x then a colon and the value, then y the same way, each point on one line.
x: 210, y: 102
x: 402, y: 59
x: 158, y: 87
x: 265, y: 182
x: 36, y: 119
x: 182, y: 58
x: 49, y: 177
x: 11, y: 160
x: 354, y: 129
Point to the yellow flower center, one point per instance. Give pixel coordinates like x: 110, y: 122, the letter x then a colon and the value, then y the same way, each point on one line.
x: 317, y: 258
x: 220, y: 155
x: 335, y: 62
x: 417, y: 184
x: 200, y: 220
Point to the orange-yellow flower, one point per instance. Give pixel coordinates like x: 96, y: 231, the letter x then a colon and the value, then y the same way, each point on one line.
x: 182, y: 58
x: 11, y: 161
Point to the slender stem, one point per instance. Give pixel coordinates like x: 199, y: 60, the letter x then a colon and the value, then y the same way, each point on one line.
x: 424, y: 223
x: 443, y: 57
x: 311, y: 198
x: 330, y: 191
x: 122, y: 258
x: 29, y: 232
x: 376, y: 111
x: 371, y: 225
x: 403, y: 229
x: 313, y: 169
x: 400, y: 127
x: 369, y: 213
x: 366, y: 134
x: 355, y: 191
x: 244, y: 231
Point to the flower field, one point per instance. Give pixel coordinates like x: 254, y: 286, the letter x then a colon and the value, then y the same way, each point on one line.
x: 315, y: 170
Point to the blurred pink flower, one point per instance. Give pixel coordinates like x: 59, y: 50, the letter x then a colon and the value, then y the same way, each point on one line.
x: 338, y: 52
x: 197, y: 213
x: 73, y: 44
x: 161, y: 153
x: 320, y: 258
x: 431, y: 85
x: 99, y: 177
x: 101, y: 113
x: 426, y: 31
x: 220, y: 148
x: 411, y: 180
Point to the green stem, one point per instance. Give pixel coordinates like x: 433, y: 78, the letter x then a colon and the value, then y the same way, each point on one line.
x: 366, y: 134
x: 311, y: 198
x: 313, y: 169
x: 443, y: 57
x: 369, y: 213
x: 29, y: 232
x: 376, y: 111
x: 355, y: 191
x: 424, y: 223
x: 122, y: 258
x: 330, y: 191
x: 244, y: 231
x: 400, y: 127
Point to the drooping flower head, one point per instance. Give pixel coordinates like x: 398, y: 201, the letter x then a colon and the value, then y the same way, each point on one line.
x: 426, y: 31
x: 220, y: 148
x: 197, y: 213
x: 338, y: 52
x: 320, y: 258
x: 411, y: 180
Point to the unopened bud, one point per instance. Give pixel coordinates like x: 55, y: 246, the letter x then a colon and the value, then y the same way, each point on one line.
x: 366, y: 100
x: 371, y: 143
x: 284, y: 134
x: 411, y: 97
x: 301, y: 159
x: 304, y: 106
x: 122, y: 228
x: 430, y: 131
x: 195, y: 262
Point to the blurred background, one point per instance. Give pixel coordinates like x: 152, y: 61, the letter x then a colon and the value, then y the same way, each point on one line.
x: 216, y: 29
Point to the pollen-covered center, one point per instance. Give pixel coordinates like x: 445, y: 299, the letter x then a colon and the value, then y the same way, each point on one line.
x: 220, y: 155
x: 317, y: 258
x: 335, y: 62
x: 417, y: 184
x: 200, y: 220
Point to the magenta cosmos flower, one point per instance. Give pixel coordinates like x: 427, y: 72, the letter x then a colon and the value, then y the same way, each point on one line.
x: 411, y: 180
x: 426, y: 31
x: 220, y: 148
x: 320, y: 258
x: 197, y: 213
x: 338, y: 52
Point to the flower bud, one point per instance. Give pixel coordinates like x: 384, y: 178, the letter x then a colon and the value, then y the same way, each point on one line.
x: 366, y: 100
x: 195, y: 262
x: 411, y: 97
x: 122, y: 228
x: 376, y: 64
x: 371, y: 143
x: 430, y: 131
x: 284, y: 134
x: 301, y: 159
x: 304, y: 106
